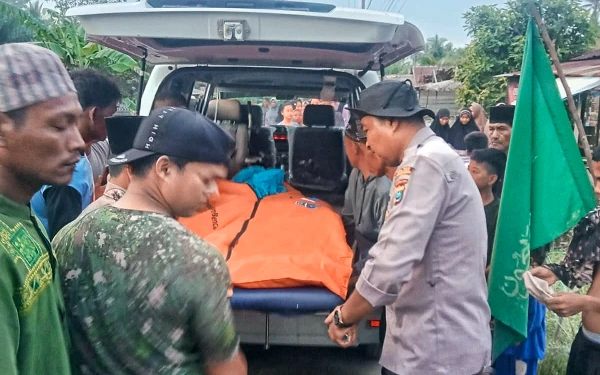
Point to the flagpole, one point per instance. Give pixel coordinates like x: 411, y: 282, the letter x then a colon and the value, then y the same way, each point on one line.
x: 561, y: 75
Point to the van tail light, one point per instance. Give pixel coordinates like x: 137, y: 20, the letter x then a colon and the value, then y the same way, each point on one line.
x: 374, y: 323
x: 280, y: 137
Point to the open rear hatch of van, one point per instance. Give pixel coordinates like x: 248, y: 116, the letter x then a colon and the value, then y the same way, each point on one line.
x: 251, y: 33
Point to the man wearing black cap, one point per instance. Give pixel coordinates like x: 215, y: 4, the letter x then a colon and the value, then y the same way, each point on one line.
x: 121, y: 132
x: 499, y: 129
x: 143, y: 294
x: 428, y: 266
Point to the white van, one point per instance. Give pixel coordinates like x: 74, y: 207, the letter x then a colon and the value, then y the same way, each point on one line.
x: 221, y: 58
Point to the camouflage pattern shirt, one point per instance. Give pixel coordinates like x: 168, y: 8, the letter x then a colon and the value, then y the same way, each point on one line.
x: 143, y: 295
x: 577, y: 269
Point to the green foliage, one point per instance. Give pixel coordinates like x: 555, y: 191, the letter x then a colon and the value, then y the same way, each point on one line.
x: 35, y: 9
x: 64, y: 5
x: 594, y: 7
x: 498, y: 43
x: 21, y: 4
x: 15, y: 24
x: 439, y: 52
x: 400, y: 67
x: 65, y: 37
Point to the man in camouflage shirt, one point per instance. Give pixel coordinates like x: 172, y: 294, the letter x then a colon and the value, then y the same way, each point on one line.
x: 143, y: 295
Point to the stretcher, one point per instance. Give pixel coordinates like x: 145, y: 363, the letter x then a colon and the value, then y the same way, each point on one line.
x: 280, y: 241
x: 287, y: 302
x: 289, y: 262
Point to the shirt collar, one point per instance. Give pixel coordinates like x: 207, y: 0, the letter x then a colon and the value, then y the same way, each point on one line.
x: 111, y: 188
x: 13, y: 209
x: 422, y: 135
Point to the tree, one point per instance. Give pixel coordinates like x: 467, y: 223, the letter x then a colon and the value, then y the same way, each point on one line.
x: 594, y: 7
x: 21, y: 4
x: 438, y: 47
x: 439, y: 52
x: 65, y: 37
x: 498, y: 36
x: 35, y: 8
x: 64, y: 5
x: 13, y: 29
x: 401, y: 67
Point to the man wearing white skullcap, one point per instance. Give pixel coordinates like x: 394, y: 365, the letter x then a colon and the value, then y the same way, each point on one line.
x: 39, y: 144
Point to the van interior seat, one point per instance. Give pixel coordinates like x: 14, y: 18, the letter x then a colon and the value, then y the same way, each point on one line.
x: 262, y: 144
x: 229, y: 115
x: 317, y: 157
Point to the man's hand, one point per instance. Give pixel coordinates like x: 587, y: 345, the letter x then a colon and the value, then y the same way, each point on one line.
x: 544, y: 274
x: 100, y: 184
x: 344, y: 337
x: 567, y: 304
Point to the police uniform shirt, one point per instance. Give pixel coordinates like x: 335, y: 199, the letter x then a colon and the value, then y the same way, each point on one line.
x: 428, y: 266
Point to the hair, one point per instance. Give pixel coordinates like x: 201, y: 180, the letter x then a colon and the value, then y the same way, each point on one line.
x: 18, y: 116
x: 177, y: 99
x: 95, y: 89
x: 140, y: 167
x: 494, y: 161
x: 416, y: 119
x: 596, y: 154
x: 116, y: 170
x: 476, y: 141
x: 286, y: 105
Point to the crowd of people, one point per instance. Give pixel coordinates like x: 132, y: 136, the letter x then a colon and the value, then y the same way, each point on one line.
x: 468, y: 120
x: 292, y: 113
x: 106, y: 281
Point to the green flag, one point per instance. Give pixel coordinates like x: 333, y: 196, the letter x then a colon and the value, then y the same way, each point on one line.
x: 546, y: 190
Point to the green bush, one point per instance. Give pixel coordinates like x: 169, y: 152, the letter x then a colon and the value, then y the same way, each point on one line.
x: 555, y: 363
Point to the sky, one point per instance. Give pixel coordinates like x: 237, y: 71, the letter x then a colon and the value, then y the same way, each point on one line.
x: 442, y: 17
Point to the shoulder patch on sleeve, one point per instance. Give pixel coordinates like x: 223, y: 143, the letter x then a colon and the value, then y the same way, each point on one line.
x: 401, y: 178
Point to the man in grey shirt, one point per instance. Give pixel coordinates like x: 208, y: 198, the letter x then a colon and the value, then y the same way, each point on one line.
x: 98, y: 158
x: 428, y: 266
x: 366, y: 198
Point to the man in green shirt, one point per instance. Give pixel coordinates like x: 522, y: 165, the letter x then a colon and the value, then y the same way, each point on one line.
x: 39, y: 144
x: 144, y: 295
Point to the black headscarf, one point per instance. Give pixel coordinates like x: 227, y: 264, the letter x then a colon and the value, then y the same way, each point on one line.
x: 458, y: 132
x: 442, y: 131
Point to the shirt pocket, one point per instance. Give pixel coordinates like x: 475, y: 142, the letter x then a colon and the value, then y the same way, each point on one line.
x: 432, y: 265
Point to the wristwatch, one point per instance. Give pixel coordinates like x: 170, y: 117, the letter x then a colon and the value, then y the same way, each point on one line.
x: 337, y: 319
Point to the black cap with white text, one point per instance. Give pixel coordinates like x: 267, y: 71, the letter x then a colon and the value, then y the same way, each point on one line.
x: 179, y: 133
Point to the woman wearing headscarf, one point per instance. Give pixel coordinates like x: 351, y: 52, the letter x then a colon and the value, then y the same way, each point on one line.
x: 464, y: 124
x: 479, y: 115
x: 441, y: 124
